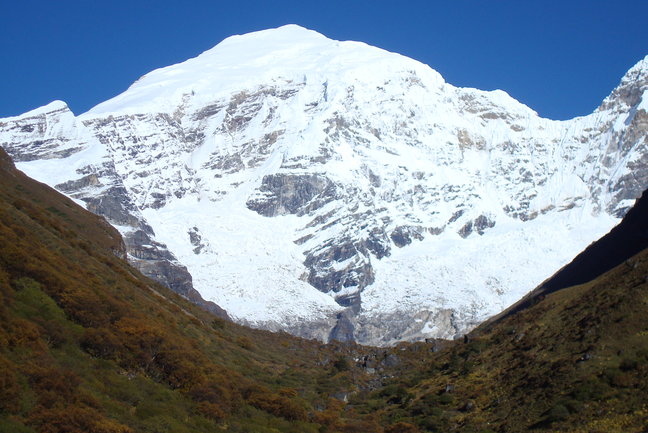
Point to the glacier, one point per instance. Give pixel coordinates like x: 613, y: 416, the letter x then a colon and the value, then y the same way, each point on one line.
x: 332, y: 189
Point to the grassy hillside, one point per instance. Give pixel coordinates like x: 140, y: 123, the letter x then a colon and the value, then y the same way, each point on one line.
x: 87, y: 344
x: 576, y: 361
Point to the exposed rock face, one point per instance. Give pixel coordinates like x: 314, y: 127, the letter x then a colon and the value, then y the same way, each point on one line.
x: 334, y: 190
x: 443, y: 323
x: 53, y: 133
x: 343, y: 329
x: 403, y: 235
x: 478, y: 225
x: 282, y: 194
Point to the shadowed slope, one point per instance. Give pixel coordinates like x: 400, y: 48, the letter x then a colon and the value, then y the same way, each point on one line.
x: 624, y: 241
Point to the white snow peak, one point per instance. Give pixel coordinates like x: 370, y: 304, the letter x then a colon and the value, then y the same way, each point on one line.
x: 301, y: 179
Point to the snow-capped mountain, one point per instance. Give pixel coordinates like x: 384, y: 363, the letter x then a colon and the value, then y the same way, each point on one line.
x: 336, y: 190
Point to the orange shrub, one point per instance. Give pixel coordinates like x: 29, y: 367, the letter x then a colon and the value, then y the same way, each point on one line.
x: 101, y: 343
x: 177, y: 367
x: 279, y: 406
x: 74, y: 419
x: 9, y: 387
x: 54, y: 385
x: 211, y: 410
x: 359, y: 426
x: 402, y: 427
x: 22, y: 332
x: 219, y: 391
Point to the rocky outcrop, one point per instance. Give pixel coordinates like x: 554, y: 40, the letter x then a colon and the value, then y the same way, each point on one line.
x: 343, y: 329
x: 404, y: 235
x: 414, y: 326
x: 281, y: 194
x: 478, y: 225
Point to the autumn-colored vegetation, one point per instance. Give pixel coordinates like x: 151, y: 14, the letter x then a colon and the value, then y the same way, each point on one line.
x: 87, y: 344
x: 576, y: 361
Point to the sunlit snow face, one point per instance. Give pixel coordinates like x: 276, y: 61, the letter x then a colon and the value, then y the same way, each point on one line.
x: 299, y: 181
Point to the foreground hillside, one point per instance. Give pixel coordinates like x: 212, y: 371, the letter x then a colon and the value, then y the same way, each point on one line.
x: 566, y: 359
x: 87, y: 344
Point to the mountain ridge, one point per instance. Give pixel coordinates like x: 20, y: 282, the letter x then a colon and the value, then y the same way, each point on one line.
x: 243, y: 61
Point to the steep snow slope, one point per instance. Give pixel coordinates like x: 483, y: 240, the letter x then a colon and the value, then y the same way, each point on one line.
x: 333, y: 189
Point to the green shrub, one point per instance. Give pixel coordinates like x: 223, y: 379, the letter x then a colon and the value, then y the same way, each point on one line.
x: 8, y: 425
x: 628, y: 364
x: 341, y: 364
x: 559, y: 412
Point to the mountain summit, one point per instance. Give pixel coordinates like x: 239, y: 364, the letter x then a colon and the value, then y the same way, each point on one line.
x: 288, y: 53
x: 336, y: 190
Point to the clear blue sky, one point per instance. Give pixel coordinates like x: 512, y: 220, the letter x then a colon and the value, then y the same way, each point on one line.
x: 559, y: 57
